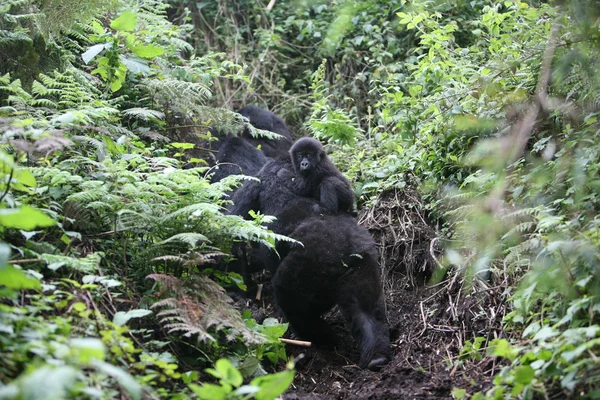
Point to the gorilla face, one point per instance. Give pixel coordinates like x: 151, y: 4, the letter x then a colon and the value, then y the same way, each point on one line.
x: 306, y: 153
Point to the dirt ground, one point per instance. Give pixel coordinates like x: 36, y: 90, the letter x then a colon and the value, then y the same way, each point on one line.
x: 428, y: 324
x: 423, y: 344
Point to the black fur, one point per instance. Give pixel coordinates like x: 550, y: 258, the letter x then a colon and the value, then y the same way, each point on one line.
x: 266, y: 120
x: 337, y: 265
x: 317, y: 177
x: 237, y: 156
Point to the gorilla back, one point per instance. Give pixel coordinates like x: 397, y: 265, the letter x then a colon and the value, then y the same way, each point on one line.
x: 337, y: 264
x: 266, y: 120
x: 237, y: 156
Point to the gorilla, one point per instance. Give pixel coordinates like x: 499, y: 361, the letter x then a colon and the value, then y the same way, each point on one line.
x: 237, y: 156
x: 266, y: 120
x: 317, y: 177
x: 273, y: 195
x: 335, y: 264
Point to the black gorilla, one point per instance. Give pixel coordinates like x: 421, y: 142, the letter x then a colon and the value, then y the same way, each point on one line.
x: 317, y: 177
x: 337, y: 264
x: 266, y: 120
x: 237, y: 156
x: 273, y: 195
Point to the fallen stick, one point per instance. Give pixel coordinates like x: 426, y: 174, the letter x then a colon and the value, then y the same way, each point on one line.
x: 296, y: 342
x: 259, y: 291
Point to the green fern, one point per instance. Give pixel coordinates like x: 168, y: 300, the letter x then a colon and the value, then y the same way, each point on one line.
x: 201, y: 308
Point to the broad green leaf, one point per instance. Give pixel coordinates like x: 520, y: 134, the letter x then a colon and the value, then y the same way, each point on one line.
x: 501, y: 348
x: 121, y: 317
x: 135, y: 65
x: 147, y: 51
x: 208, y: 391
x: 15, y: 278
x: 524, y: 374
x: 97, y: 27
x: 25, y: 177
x: 24, y: 217
x: 249, y: 366
x: 125, y: 22
x: 273, y: 385
x: 226, y: 372
x: 545, y: 333
x: 48, y: 383
x: 92, y: 52
x: 88, y: 349
x: 273, y: 329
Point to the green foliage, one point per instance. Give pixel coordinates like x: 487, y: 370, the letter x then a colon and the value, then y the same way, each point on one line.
x: 266, y: 387
x: 89, y: 209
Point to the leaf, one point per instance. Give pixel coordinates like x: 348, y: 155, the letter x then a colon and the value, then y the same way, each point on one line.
x: 125, y: 379
x: 524, y: 374
x: 147, y: 51
x: 226, y: 372
x: 459, y: 394
x: 249, y: 366
x: 125, y: 22
x: 272, y: 329
x: 135, y: 65
x: 273, y: 385
x: 48, y: 383
x: 25, y: 217
x: 545, y: 333
x: 92, y: 52
x: 209, y: 391
x: 121, y: 317
x: 15, y: 278
x: 501, y: 348
x: 25, y: 177
x: 569, y: 381
x: 88, y: 349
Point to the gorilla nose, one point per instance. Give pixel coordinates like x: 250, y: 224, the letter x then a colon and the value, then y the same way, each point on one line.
x: 304, y: 164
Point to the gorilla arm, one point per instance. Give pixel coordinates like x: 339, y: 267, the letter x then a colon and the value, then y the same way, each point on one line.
x: 336, y: 195
x: 245, y: 199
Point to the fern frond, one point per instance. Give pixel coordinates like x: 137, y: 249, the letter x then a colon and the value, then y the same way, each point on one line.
x: 145, y: 114
x: 190, y: 238
x: 201, y: 307
x: 88, y: 264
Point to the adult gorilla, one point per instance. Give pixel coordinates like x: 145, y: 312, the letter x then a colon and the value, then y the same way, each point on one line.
x: 237, y: 156
x: 266, y: 120
x: 337, y: 264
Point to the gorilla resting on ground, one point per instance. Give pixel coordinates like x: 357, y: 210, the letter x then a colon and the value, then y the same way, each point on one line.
x: 237, y: 156
x: 337, y: 264
x: 266, y: 120
x: 317, y: 177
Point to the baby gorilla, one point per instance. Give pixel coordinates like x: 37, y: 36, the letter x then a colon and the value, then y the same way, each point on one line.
x: 317, y: 177
x: 337, y: 264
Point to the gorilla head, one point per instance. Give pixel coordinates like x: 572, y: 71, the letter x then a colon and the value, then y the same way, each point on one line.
x: 307, y: 153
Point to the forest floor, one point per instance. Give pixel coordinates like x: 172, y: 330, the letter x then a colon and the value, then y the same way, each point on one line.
x: 425, y: 349
x: 428, y: 324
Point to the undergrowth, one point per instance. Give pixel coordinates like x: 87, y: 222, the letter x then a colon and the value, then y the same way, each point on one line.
x: 484, y: 114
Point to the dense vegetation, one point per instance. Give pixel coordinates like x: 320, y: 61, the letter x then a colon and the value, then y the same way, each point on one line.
x: 110, y: 227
